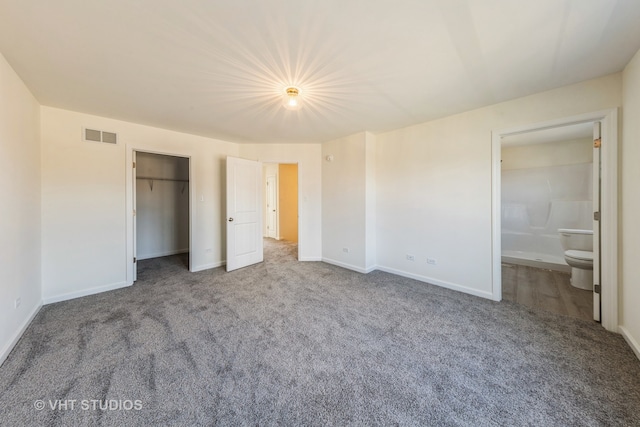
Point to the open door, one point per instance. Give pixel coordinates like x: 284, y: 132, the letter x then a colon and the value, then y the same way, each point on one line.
x: 135, y: 222
x: 597, y: 140
x: 244, y: 213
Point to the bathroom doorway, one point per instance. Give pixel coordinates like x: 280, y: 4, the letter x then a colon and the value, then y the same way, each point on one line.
x: 535, y: 222
x: 547, y: 186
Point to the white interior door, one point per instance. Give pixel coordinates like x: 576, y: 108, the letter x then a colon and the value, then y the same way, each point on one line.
x: 272, y: 208
x: 596, y: 221
x: 135, y: 221
x: 244, y: 213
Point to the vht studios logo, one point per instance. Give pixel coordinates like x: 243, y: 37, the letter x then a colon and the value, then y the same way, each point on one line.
x: 88, y: 405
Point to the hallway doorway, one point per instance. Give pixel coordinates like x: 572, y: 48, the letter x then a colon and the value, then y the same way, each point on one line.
x: 281, y: 203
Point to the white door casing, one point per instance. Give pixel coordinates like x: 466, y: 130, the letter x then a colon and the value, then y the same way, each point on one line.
x: 135, y: 220
x: 272, y: 208
x: 596, y: 221
x: 244, y: 213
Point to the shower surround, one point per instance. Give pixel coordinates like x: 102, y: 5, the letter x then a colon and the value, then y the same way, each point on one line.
x: 536, y: 202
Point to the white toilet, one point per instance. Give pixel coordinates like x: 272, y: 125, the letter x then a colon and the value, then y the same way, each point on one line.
x: 578, y: 253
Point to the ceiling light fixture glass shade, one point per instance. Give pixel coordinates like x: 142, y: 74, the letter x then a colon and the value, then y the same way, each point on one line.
x: 291, y: 99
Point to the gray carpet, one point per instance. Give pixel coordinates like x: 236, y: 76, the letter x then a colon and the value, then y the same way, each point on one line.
x: 293, y: 343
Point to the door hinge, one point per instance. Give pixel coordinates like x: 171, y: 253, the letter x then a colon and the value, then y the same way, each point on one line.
x: 134, y: 212
x: 596, y: 289
x: 597, y: 143
x: 596, y: 216
x: 135, y: 259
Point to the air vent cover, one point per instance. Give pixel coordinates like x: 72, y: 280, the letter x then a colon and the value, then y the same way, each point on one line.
x: 99, y: 136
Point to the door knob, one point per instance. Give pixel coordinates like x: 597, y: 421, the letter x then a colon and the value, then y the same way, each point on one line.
x: 230, y: 219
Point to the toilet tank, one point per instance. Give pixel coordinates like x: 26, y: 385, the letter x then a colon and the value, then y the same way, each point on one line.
x: 581, y: 240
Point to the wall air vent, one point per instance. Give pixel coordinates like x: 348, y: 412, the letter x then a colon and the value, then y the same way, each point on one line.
x: 99, y: 136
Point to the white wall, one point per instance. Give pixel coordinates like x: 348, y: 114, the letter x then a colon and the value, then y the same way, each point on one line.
x: 348, y: 202
x: 162, y: 205
x: 629, y: 296
x: 371, y: 231
x: 344, y: 202
x: 85, y: 200
x: 308, y: 158
x: 434, y: 184
x: 20, y: 243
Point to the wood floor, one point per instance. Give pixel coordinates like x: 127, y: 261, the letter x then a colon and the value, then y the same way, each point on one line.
x: 545, y: 290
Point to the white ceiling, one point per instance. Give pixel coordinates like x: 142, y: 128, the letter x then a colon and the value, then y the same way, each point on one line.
x: 217, y: 67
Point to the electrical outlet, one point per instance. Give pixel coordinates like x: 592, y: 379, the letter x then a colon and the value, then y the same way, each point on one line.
x: 431, y: 261
x: 411, y: 257
x: 17, y: 302
x: 345, y: 250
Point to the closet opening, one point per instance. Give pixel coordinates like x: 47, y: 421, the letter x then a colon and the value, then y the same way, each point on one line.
x: 161, y: 202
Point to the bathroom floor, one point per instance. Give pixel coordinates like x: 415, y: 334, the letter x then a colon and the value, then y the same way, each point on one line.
x: 545, y: 290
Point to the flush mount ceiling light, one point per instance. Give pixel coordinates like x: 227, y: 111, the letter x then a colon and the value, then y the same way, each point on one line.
x: 291, y: 99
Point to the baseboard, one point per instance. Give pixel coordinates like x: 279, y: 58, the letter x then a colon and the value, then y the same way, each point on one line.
x: 347, y: 266
x: 441, y: 283
x: 208, y: 266
x: 635, y: 346
x: 16, y: 337
x: 223, y: 263
x: 371, y: 268
x: 310, y: 258
x: 165, y: 253
x: 85, y: 292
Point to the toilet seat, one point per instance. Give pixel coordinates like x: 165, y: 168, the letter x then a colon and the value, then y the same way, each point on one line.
x: 579, y: 255
x: 581, y: 262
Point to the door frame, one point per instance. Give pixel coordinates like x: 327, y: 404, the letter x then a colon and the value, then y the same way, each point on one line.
x: 284, y: 162
x: 608, y: 207
x: 276, y: 232
x: 129, y: 206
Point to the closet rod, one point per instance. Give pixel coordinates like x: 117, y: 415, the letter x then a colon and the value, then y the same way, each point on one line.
x: 162, y: 179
